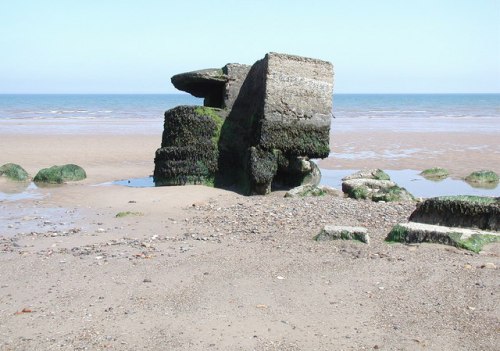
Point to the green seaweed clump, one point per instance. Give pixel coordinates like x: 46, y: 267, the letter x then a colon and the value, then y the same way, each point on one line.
x: 482, y: 177
x: 435, y: 173
x: 128, y: 213
x: 397, y: 234
x: 474, y: 199
x: 60, y: 174
x: 392, y: 194
x: 14, y: 172
x: 476, y: 242
x: 306, y: 191
x: 381, y: 175
x: 359, y: 193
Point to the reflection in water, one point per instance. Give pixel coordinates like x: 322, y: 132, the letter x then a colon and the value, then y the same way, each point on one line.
x: 408, y: 178
x: 14, y: 191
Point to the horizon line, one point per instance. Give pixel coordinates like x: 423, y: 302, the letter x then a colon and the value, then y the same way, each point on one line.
x: 187, y: 94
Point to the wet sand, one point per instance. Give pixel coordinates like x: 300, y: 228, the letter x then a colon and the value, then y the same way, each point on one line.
x: 461, y: 153
x: 196, y: 268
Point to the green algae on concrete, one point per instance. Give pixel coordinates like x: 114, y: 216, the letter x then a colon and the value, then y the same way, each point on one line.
x: 465, y: 238
x: 14, y: 172
x: 60, y: 174
x: 460, y: 211
x: 189, y: 152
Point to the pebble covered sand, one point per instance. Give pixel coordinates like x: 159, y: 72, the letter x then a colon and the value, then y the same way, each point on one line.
x: 240, y: 273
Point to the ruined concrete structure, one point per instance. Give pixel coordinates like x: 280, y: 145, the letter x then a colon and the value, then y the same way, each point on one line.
x: 259, y: 127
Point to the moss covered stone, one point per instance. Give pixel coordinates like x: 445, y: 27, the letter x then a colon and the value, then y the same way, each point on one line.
x: 295, y: 138
x: 375, y: 173
x: 469, y: 239
x: 483, y: 177
x: 376, y: 190
x: 435, y: 173
x: 128, y: 213
x: 14, y: 172
x: 189, y: 152
x: 459, y: 211
x: 263, y: 166
x: 60, y: 174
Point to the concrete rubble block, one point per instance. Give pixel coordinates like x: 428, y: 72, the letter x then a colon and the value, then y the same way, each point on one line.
x: 313, y: 190
x: 375, y: 173
x: 206, y: 83
x: 466, y: 238
x: 460, y: 211
x: 189, y: 151
x: 333, y: 232
x: 275, y: 117
x: 376, y: 190
x: 297, y: 105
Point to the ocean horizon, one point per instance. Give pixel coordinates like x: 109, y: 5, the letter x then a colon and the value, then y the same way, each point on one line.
x: 91, y: 106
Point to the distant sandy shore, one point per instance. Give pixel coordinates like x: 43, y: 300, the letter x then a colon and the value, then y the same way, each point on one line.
x: 111, y: 149
x: 197, y: 268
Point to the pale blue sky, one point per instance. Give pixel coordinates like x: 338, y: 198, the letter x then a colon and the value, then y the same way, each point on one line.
x: 379, y: 46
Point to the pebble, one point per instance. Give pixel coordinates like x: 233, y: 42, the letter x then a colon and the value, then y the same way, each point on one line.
x: 489, y: 265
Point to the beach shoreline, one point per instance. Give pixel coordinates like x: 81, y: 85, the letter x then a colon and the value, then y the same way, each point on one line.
x: 102, y: 266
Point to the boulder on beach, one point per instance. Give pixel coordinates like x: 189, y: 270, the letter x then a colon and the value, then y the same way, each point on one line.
x: 465, y: 238
x: 272, y: 118
x: 375, y: 190
x: 375, y: 173
x: 60, y: 174
x: 313, y: 190
x: 14, y: 172
x: 435, y: 173
x: 483, y: 179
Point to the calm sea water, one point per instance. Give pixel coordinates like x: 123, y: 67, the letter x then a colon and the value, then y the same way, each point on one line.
x: 412, y: 106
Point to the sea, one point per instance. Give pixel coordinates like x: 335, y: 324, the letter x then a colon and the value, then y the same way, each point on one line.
x: 152, y: 106
x: 74, y: 113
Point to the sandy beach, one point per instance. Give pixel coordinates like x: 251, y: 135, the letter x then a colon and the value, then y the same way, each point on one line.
x: 197, y: 268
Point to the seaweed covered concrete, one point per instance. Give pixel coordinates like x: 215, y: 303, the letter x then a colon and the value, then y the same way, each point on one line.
x: 260, y: 126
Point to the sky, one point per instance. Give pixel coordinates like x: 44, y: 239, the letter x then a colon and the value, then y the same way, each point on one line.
x: 122, y: 46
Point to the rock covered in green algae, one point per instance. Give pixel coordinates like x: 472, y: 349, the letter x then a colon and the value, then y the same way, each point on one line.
x: 435, y: 173
x: 189, y: 150
x: 60, y: 174
x: 313, y: 190
x: 483, y: 177
x: 465, y: 238
x: 375, y: 185
x: 14, y: 172
x: 332, y: 232
x: 375, y: 173
x: 460, y: 211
